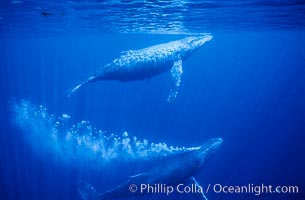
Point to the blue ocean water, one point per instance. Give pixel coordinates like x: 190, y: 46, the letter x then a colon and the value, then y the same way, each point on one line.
x: 245, y: 86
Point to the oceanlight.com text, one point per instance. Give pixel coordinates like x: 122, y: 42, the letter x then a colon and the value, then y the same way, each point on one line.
x: 253, y: 189
x: 217, y: 188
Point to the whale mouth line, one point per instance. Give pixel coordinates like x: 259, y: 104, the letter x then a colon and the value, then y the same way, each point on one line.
x: 217, y: 143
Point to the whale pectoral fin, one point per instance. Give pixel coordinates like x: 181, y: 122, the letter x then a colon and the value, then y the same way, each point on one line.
x: 176, y: 73
x: 87, y: 192
x: 134, y: 176
x: 202, y: 196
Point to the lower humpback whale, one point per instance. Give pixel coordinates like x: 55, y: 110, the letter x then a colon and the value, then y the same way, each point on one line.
x: 177, y: 169
x: 145, y: 63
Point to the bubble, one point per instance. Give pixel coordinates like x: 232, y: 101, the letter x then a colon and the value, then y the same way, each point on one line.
x: 81, y: 141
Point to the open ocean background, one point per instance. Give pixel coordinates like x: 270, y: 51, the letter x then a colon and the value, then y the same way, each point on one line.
x: 247, y: 86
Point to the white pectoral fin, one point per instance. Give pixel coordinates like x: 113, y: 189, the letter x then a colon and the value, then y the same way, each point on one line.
x: 202, y: 196
x: 176, y: 73
x: 135, y: 176
x: 87, y: 192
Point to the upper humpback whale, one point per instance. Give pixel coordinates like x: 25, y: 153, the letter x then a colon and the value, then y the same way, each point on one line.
x: 175, y: 170
x: 145, y: 63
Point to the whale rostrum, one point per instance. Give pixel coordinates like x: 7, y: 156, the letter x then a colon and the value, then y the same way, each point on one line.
x: 176, y: 170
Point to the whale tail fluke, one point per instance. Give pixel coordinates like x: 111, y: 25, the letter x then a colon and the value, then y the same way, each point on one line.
x: 87, y: 192
x: 91, y: 79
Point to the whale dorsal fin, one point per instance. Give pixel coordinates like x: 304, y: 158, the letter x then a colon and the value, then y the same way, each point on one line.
x: 176, y: 73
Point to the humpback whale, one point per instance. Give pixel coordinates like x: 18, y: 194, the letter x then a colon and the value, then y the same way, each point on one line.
x: 174, y: 170
x: 145, y: 63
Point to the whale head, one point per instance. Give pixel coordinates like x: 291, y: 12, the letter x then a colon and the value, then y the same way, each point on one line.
x: 204, y: 152
x: 198, y: 41
x: 192, y: 43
